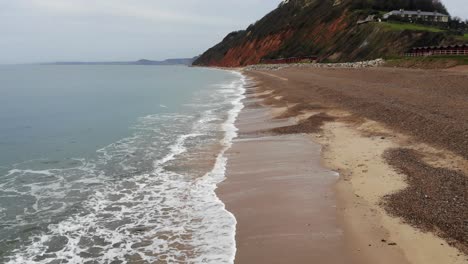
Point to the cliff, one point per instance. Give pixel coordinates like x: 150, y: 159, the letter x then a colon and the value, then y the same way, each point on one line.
x: 325, y: 28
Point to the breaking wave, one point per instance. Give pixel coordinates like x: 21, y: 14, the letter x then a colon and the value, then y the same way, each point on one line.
x: 136, y: 202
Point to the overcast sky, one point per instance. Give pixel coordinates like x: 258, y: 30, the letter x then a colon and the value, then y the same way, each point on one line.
x: 113, y: 30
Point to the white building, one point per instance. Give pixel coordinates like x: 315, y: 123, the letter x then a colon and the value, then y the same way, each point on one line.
x: 419, y: 15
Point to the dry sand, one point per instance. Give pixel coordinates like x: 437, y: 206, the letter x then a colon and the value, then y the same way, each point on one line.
x: 366, y: 179
x: 275, y: 187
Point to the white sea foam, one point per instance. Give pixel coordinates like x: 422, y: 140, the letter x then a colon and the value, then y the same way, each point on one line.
x: 217, y: 175
x: 176, y: 149
x: 43, y: 172
x: 141, y: 215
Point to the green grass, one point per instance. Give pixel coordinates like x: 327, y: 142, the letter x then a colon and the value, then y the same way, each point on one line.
x: 462, y: 38
x: 395, y: 26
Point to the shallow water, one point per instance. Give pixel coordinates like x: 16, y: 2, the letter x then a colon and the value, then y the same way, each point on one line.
x: 95, y: 164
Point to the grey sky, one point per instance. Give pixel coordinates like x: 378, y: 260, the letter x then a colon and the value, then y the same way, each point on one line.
x: 90, y: 30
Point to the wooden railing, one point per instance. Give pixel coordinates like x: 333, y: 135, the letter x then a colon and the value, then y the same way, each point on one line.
x: 436, y: 52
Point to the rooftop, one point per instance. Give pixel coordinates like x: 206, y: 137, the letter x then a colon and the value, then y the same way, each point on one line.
x: 421, y: 13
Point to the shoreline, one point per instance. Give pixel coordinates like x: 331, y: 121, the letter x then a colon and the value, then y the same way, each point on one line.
x: 366, y: 178
x: 268, y: 188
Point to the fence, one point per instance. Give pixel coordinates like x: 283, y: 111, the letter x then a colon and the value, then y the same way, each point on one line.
x: 459, y: 50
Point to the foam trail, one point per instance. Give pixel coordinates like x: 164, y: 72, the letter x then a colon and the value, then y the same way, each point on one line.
x: 43, y: 172
x: 137, y: 209
x: 218, y: 174
x: 221, y: 162
x: 176, y: 149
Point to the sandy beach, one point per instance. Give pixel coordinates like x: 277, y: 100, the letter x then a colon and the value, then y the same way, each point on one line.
x: 398, y: 139
x: 280, y: 194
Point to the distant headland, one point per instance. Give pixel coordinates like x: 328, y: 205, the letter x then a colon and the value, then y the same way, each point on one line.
x: 168, y: 62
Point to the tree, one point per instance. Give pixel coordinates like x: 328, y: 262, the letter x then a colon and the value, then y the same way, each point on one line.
x: 388, y: 5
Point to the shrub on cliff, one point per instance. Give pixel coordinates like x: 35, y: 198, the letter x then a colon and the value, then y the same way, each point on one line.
x: 388, y: 5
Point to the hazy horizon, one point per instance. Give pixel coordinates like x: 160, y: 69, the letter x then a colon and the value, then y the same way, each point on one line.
x: 40, y: 31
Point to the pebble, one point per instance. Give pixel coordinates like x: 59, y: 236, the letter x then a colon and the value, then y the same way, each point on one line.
x: 360, y: 64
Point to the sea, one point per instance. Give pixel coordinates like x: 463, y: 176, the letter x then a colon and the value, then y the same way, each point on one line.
x: 115, y: 164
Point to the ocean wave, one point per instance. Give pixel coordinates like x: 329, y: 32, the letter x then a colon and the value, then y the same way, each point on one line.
x: 127, y: 205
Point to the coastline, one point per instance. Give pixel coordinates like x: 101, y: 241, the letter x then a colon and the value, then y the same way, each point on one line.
x: 283, y: 202
x: 354, y: 146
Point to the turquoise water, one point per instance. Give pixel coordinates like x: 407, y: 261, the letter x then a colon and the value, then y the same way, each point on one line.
x: 97, y: 163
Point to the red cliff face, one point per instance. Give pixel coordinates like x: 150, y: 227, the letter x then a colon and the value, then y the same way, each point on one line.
x: 251, y: 52
x: 324, y: 32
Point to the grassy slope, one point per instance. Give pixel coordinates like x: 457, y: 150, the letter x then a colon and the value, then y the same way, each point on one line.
x: 396, y: 26
x: 430, y: 62
x: 463, y: 38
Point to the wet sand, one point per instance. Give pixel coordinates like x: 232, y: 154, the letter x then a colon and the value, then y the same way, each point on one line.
x: 366, y: 120
x: 281, y: 195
